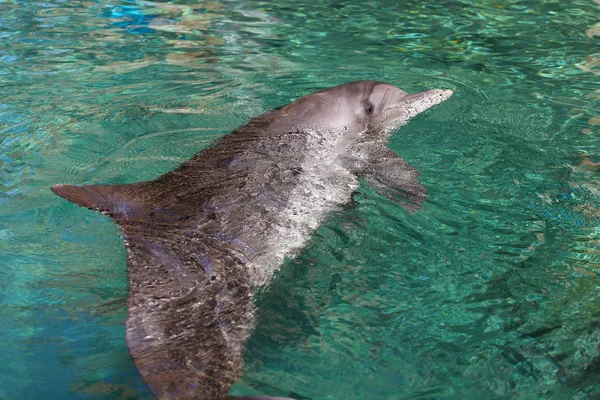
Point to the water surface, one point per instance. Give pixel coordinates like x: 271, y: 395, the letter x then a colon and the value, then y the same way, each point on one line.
x: 492, y: 291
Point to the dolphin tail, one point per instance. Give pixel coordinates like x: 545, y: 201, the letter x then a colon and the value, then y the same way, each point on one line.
x: 92, y: 197
x: 117, y: 201
x: 190, y: 306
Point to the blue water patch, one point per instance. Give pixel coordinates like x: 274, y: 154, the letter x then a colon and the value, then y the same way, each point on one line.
x: 131, y: 17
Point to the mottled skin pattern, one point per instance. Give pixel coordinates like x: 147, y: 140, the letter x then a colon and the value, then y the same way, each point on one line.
x: 202, y: 237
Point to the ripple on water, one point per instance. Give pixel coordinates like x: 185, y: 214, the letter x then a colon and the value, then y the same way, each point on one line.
x: 491, y: 291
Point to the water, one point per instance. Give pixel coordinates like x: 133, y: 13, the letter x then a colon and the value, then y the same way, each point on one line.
x: 492, y: 291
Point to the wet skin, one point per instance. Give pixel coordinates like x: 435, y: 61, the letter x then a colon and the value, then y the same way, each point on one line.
x: 201, y: 238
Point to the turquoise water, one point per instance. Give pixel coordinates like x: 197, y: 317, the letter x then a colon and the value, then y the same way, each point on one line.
x: 492, y: 291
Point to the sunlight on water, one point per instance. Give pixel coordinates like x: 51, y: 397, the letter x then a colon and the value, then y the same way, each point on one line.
x: 492, y: 291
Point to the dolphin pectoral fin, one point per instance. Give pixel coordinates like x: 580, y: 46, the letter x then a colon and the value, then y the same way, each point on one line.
x: 396, y: 180
x: 408, y: 201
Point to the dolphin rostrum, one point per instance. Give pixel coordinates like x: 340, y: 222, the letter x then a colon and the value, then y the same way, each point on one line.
x: 201, y: 238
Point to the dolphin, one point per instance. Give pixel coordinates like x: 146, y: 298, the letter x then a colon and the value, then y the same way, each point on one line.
x: 204, y: 237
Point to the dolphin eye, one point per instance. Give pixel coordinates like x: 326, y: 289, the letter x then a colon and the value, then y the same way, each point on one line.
x: 369, y: 109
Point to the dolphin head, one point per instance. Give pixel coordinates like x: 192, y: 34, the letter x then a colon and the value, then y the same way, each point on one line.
x: 362, y: 106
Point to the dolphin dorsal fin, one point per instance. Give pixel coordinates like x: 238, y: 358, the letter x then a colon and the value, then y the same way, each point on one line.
x: 121, y: 202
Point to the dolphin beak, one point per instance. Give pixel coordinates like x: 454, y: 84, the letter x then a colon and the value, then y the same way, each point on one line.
x: 410, y: 105
x: 415, y: 104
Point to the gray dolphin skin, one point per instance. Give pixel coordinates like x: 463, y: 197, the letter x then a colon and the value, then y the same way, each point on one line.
x: 202, y: 238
